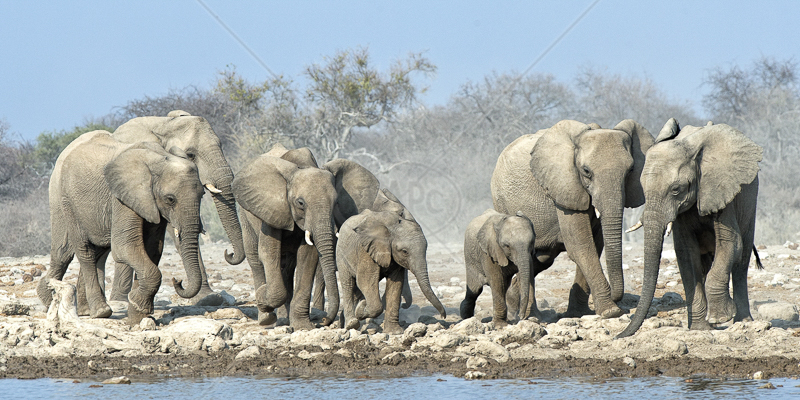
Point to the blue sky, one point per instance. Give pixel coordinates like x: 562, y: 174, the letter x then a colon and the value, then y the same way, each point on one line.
x: 63, y: 62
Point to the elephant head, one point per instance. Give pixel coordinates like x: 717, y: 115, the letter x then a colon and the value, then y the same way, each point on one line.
x: 389, y: 239
x: 202, y: 146
x: 694, y: 169
x: 507, y: 238
x: 156, y: 184
x: 581, y: 165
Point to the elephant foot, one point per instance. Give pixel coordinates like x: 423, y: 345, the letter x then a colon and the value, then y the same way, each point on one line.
x: 499, y: 323
x: 135, y: 316
x: 611, y: 312
x: 723, y: 312
x: 83, y: 309
x: 467, y: 310
x: 101, y: 311
x: 352, y: 324
x: 392, y: 328
x: 575, y: 311
x: 266, y: 318
x: 301, y: 324
x: 700, y: 325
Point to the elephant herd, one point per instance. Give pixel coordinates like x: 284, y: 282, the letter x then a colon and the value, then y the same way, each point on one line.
x: 560, y: 189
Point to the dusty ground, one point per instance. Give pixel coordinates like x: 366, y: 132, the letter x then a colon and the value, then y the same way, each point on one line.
x: 225, y: 340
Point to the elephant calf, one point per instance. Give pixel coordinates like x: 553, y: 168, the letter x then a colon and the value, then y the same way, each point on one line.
x: 372, y: 246
x: 497, y: 246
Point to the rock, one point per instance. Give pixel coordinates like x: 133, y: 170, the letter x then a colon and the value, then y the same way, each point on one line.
x: 487, y: 349
x: 306, y: 355
x: 212, y: 300
x: 767, y: 385
x: 471, y: 375
x: 119, y: 380
x: 475, y: 362
x: 427, y: 320
x: 670, y: 299
x: 673, y: 346
x: 316, y: 337
x: 344, y: 353
x: 758, y: 375
x: 196, y: 332
x: 250, y: 352
x: 147, y: 324
x: 469, y: 326
x: 778, y: 310
x: 227, y: 313
x: 523, y: 331
x: 416, y: 330
x: 14, y: 307
x: 629, y: 362
x: 27, y: 278
x: 448, y: 340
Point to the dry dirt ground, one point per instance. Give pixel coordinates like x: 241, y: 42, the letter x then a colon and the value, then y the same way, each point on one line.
x: 187, y: 340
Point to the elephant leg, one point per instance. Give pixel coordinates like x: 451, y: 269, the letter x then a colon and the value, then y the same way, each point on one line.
x: 578, y: 305
x: 307, y: 258
x: 288, y: 269
x: 348, y: 300
x: 272, y: 293
x: 475, y: 282
x: 394, y: 289
x: 728, y: 252
x: 497, y: 281
x: 407, y: 296
x: 691, y: 268
x: 576, y: 232
x: 319, y: 290
x: 91, y: 300
x: 512, y: 299
x: 739, y: 277
x: 123, y: 281
x: 60, y: 258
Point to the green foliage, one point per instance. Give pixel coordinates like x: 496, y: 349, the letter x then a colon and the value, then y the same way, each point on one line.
x: 50, y: 144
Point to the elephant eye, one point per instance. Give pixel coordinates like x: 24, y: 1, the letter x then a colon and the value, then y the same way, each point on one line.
x: 586, y: 171
x: 301, y: 203
x: 676, y: 190
x: 170, y: 200
x: 190, y: 155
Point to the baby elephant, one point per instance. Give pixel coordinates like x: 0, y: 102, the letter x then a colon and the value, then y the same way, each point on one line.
x: 497, y: 246
x: 376, y: 245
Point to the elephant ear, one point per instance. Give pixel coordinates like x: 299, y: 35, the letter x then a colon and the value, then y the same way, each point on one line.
x: 641, y: 141
x: 177, y: 151
x: 356, y: 188
x: 553, y: 165
x: 727, y: 159
x: 669, y: 131
x: 178, y: 113
x: 487, y: 238
x: 130, y: 179
x: 302, y: 157
x: 387, y: 201
x: 261, y: 188
x: 375, y: 239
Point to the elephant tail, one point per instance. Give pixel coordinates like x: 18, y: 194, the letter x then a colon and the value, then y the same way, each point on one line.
x: 758, y: 259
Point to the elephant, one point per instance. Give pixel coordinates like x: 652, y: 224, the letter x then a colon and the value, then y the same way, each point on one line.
x: 288, y: 225
x: 496, y: 247
x: 111, y: 197
x: 195, y: 136
x: 701, y: 183
x: 374, y: 245
x: 573, y: 181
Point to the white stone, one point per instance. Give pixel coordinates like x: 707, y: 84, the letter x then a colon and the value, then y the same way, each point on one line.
x: 476, y: 362
x: 469, y: 326
x: 778, y: 310
x: 455, y: 281
x: 187, y: 332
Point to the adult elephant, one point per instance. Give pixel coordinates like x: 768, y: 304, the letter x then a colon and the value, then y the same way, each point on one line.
x: 194, y: 135
x: 107, y: 196
x: 288, y: 223
x: 573, y: 181
x: 703, y: 184
x: 377, y: 245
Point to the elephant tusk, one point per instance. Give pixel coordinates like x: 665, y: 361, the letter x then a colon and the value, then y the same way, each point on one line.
x: 634, y: 227
x: 597, y: 212
x: 177, y: 233
x: 337, y: 235
x: 669, y: 229
x: 308, y: 238
x: 213, y: 189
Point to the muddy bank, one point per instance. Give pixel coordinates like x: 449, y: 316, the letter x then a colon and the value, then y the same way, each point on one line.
x: 183, y: 340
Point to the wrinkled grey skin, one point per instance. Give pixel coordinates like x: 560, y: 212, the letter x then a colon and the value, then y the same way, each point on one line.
x: 496, y: 247
x: 107, y: 196
x: 195, y: 137
x: 703, y: 180
x: 560, y: 177
x: 376, y: 245
x: 284, y: 194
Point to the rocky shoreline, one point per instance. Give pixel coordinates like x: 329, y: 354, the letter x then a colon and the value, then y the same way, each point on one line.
x: 225, y: 340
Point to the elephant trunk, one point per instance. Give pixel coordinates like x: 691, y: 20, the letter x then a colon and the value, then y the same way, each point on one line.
x: 323, y: 240
x: 190, y: 254
x: 524, y: 266
x: 420, y: 271
x: 611, y: 223
x: 653, y: 243
x: 225, y: 203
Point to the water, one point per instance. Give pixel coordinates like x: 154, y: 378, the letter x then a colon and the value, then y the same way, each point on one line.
x: 416, y: 387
